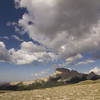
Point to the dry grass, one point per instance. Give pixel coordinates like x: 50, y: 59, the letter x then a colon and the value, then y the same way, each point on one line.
x: 88, y: 90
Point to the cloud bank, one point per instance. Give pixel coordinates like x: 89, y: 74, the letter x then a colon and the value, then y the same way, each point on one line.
x: 65, y: 28
x: 68, y: 27
x: 28, y: 53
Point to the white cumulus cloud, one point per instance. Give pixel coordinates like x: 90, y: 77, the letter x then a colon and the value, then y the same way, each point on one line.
x: 89, y: 61
x: 67, y: 27
x: 96, y: 70
x: 4, y: 55
x: 71, y: 60
x: 30, y: 52
x: 64, y: 28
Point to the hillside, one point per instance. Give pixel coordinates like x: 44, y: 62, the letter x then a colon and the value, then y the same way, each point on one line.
x: 87, y: 90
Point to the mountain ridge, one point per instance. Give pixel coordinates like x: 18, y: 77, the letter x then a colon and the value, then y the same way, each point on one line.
x: 60, y: 77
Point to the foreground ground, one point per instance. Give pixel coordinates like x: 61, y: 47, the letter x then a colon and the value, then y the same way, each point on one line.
x: 88, y: 90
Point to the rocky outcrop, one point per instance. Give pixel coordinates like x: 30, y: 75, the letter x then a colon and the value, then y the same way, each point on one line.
x: 93, y: 76
x: 67, y: 75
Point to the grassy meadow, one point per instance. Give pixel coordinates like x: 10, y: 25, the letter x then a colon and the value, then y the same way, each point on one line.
x: 86, y: 90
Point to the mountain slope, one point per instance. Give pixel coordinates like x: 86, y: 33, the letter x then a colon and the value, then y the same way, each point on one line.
x: 60, y: 77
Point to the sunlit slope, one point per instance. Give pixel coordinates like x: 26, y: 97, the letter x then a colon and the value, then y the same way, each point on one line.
x: 87, y: 90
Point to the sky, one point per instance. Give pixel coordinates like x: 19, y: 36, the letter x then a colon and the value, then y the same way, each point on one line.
x: 38, y: 36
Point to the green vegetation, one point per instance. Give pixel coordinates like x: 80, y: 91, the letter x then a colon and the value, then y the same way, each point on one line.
x: 38, y: 85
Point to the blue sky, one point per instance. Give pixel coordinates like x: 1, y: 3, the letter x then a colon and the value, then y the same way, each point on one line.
x: 34, y: 42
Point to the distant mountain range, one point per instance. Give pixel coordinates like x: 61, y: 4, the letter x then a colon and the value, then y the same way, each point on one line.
x: 60, y: 77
